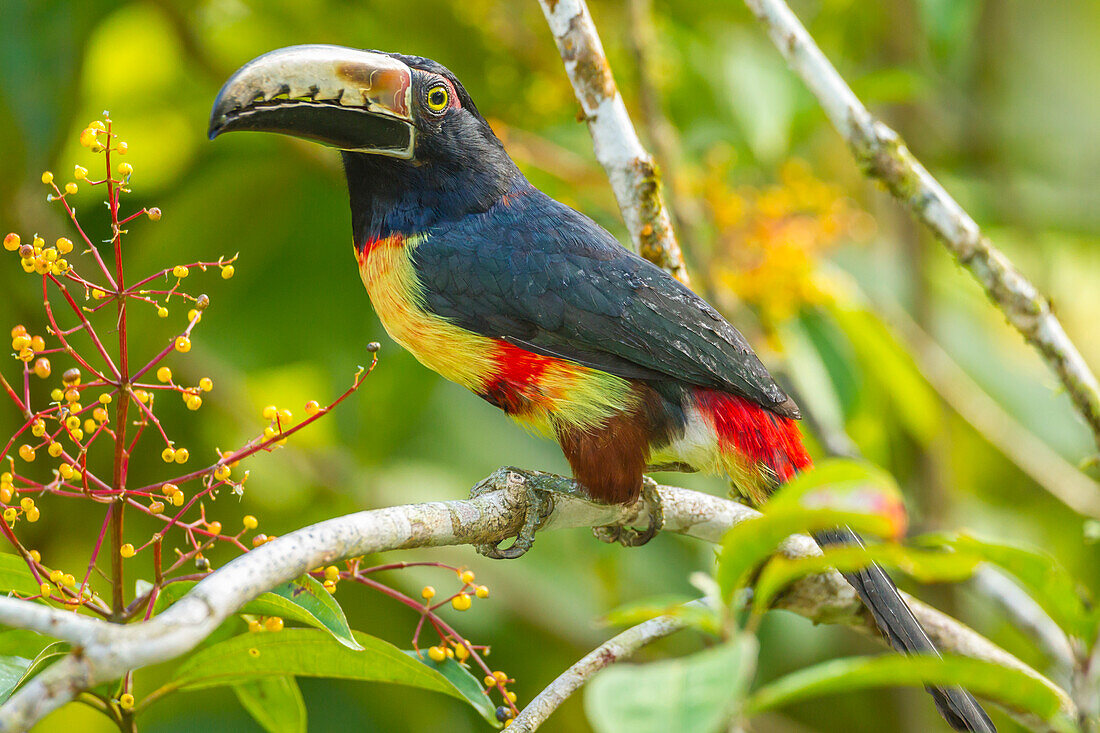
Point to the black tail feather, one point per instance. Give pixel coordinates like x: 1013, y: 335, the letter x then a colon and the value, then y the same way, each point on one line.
x: 900, y: 627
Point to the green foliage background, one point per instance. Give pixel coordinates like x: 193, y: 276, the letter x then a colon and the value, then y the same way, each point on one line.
x: 997, y: 99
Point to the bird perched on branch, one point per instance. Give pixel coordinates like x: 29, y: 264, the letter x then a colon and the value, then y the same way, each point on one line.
x: 533, y: 306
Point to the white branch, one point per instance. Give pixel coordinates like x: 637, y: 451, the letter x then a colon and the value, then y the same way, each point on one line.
x: 882, y: 155
x: 629, y: 167
x: 104, y: 651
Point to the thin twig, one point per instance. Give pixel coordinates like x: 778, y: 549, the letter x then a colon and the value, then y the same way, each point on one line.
x: 631, y: 170
x: 883, y: 156
x: 107, y: 651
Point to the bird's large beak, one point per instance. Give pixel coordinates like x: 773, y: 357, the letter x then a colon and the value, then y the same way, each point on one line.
x: 342, y: 97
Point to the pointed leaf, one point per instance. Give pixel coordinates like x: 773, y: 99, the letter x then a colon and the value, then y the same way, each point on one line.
x: 985, y: 679
x: 464, y: 681
x: 305, y: 653
x: 274, y: 702
x: 693, y: 694
x: 12, y: 669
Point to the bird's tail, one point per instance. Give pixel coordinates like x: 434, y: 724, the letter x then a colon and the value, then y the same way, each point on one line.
x: 752, y: 438
x: 897, y: 623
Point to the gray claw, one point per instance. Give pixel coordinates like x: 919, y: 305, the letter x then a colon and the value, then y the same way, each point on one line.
x: 540, y: 504
x: 630, y: 537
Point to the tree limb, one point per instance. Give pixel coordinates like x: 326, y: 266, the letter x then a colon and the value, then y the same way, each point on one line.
x: 104, y: 651
x: 629, y: 167
x: 883, y: 156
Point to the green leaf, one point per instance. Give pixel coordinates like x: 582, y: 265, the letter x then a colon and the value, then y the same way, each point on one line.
x: 305, y: 653
x: 693, y: 694
x: 985, y: 679
x: 16, y: 576
x: 22, y: 643
x: 304, y: 600
x: 1045, y: 579
x: 926, y: 566
x: 274, y: 702
x: 835, y: 493
x: 12, y: 669
x: 464, y: 681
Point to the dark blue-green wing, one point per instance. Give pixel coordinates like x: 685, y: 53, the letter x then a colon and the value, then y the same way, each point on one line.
x: 546, y: 278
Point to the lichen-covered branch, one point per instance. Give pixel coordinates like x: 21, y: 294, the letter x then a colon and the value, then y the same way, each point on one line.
x: 883, y: 156
x: 616, y: 649
x: 105, y: 651
x: 630, y: 168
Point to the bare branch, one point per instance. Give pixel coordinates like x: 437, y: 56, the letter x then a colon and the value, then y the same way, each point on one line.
x: 613, y: 650
x: 629, y: 167
x: 883, y: 156
x: 105, y: 651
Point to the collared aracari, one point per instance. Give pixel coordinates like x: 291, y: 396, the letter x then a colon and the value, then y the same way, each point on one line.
x: 533, y: 306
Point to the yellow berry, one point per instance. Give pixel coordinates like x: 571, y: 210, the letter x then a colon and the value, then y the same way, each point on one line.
x: 66, y: 471
x: 98, y: 294
x: 153, y: 214
x: 330, y: 586
x: 72, y: 422
x: 105, y: 399
x: 332, y: 572
x: 177, y: 498
x: 56, y: 576
x: 35, y: 555
x: 89, y: 139
x: 100, y: 414
x: 26, y: 453
x: 168, y: 454
x: 125, y: 169
x: 500, y: 677
x: 21, y: 342
x: 227, y: 272
x: 80, y: 172
x: 273, y: 623
x: 38, y: 428
x: 214, y: 527
x: 169, y: 489
x: 194, y: 402
x: 461, y: 602
x: 162, y: 312
x: 255, y: 626
x: 221, y: 473
x: 427, y: 593
x: 76, y: 434
x: 26, y: 503
x: 11, y: 242
x: 270, y: 412
x: 490, y: 681
x: 194, y: 315
x: 510, y: 695
x: 285, y: 416
x: 179, y: 271
x: 126, y: 550
x: 142, y: 396
x: 270, y: 432
x: 55, y: 450
x: 312, y: 407
x: 482, y: 591
x: 250, y: 522
x: 45, y: 588
x: 164, y: 374
x: 183, y: 344
x: 42, y: 367
x: 461, y: 652
x: 71, y: 377
x: 90, y: 426
x: 70, y: 187
x: 156, y: 507
x: 97, y: 126
x: 126, y: 701
x: 437, y: 654
x: 122, y: 147
x: 206, y: 384
x: 466, y: 576
x: 47, y: 177
x: 5, y: 493
x: 10, y: 514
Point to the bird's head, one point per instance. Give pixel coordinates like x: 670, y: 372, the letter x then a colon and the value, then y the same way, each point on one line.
x: 416, y: 150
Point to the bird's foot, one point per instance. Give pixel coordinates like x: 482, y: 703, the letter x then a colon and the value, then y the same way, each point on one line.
x: 629, y: 536
x: 538, y: 506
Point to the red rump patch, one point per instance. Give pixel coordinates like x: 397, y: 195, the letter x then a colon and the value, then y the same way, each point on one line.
x: 756, y: 434
x: 515, y: 381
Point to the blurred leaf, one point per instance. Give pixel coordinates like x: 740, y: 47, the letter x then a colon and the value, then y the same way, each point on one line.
x: 949, y: 24
x: 985, y: 679
x: 697, y: 615
x: 304, y: 600
x: 1045, y: 579
x: 16, y: 576
x: 22, y: 643
x: 464, y: 681
x: 692, y: 694
x: 12, y: 670
x: 925, y: 566
x: 274, y: 702
x: 892, y: 85
x: 834, y: 493
x: 760, y: 92
x: 305, y: 653
x: 883, y: 358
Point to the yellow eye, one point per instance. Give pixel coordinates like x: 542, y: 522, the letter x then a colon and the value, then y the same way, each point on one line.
x: 438, y: 98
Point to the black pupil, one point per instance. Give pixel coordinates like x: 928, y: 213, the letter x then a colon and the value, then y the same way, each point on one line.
x: 437, y: 98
